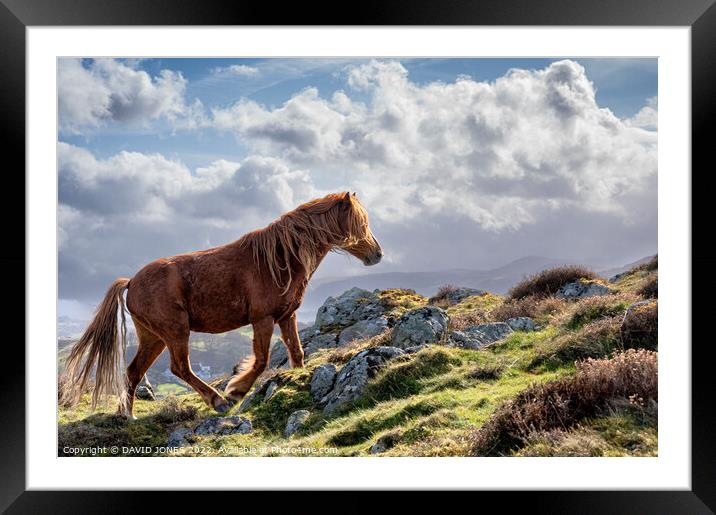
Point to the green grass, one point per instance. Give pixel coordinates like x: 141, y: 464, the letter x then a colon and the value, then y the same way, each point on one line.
x: 423, y: 404
x: 166, y: 389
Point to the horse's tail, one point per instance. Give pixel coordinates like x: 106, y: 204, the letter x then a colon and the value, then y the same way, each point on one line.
x: 99, y: 348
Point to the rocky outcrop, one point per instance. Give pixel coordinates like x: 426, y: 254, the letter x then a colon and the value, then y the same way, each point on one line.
x: 581, y: 289
x: 353, y: 378
x: 348, y: 308
x: 362, y: 329
x: 296, y: 421
x: 310, y: 341
x: 224, y: 426
x: 353, y: 315
x: 322, y: 380
x: 427, y: 324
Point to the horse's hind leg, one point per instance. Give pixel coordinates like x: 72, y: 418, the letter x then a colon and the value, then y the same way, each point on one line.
x: 239, y: 385
x: 181, y: 367
x: 149, y: 347
x: 289, y: 335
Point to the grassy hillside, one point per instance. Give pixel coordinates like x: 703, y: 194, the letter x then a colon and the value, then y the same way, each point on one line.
x: 567, y: 388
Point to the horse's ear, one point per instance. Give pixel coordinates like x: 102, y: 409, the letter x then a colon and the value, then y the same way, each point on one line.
x: 347, y: 196
x: 354, y: 194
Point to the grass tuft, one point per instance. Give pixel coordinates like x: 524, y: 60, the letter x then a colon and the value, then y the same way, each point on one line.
x: 548, y: 281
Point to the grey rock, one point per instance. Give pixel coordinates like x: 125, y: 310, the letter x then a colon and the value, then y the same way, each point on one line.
x: 427, y: 324
x: 378, y: 447
x: 458, y: 295
x: 480, y: 336
x: 322, y: 380
x: 490, y: 332
x: 362, y: 329
x: 348, y: 308
x: 296, y: 420
x: 579, y: 289
x: 278, y: 357
x: 270, y: 390
x: 224, y: 426
x: 322, y: 341
x: 310, y: 342
x: 355, y: 374
x: 521, y: 324
x: 178, y: 437
x: 246, y: 401
x: 472, y: 340
x: 145, y: 392
x: 257, y: 392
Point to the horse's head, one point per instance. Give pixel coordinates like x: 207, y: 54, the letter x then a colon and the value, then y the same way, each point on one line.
x: 357, y: 239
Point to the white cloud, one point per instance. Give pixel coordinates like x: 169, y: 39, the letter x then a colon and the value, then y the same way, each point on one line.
x: 647, y: 117
x: 500, y: 154
x: 107, y: 90
x: 235, y: 70
x: 119, y: 213
x: 464, y: 174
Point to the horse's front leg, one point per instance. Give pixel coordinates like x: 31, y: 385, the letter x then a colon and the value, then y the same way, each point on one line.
x: 289, y: 335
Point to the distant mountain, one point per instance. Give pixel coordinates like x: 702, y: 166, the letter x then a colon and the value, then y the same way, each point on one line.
x: 611, y: 272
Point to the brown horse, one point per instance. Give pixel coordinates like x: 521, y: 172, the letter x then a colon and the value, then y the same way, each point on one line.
x: 259, y: 279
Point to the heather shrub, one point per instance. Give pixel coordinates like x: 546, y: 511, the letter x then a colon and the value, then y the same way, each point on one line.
x: 561, y: 404
x: 548, y: 281
x: 640, y: 327
x: 650, y: 288
x: 440, y: 299
x: 172, y: 412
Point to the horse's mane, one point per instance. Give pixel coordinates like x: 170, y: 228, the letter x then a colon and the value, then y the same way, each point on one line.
x: 305, y: 233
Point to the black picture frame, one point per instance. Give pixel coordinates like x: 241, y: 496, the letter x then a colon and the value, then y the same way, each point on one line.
x: 16, y: 15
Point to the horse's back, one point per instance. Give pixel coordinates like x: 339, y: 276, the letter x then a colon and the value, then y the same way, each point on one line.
x: 207, y: 285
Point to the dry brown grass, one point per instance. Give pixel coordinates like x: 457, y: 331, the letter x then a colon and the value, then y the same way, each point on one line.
x: 172, y: 412
x: 548, y: 281
x: 540, y: 309
x: 640, y: 327
x: 650, y: 288
x: 561, y: 404
x: 341, y: 355
x: 440, y: 298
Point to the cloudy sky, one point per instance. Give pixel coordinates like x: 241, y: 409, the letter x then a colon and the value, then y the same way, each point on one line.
x: 462, y: 163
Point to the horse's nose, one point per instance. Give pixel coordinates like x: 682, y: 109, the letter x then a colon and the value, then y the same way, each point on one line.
x: 380, y: 254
